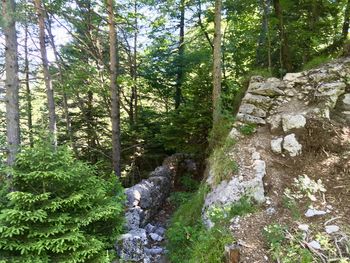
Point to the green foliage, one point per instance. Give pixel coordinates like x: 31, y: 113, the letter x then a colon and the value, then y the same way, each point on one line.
x: 223, y: 215
x: 59, y: 211
x: 292, y: 205
x: 316, y: 62
x: 221, y: 162
x: 286, y: 250
x: 247, y: 129
x: 189, y: 240
x: 179, y: 198
x: 188, y: 183
x: 210, y: 244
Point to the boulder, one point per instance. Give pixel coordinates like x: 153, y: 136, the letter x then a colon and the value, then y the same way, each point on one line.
x: 292, y: 77
x: 291, y: 145
x: 131, y: 246
x: 276, y: 145
x: 291, y: 121
x: 252, y: 110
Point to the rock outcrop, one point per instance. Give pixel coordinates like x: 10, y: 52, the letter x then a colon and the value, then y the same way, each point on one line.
x: 281, y: 110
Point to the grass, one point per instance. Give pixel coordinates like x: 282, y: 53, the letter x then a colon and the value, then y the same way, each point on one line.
x: 316, y: 62
x: 189, y: 241
x: 223, y: 215
x: 221, y: 163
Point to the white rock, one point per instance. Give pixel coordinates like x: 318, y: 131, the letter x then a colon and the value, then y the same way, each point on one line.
x: 303, y: 227
x: 346, y: 99
x: 291, y: 145
x: 292, y: 76
x: 314, y: 244
x: 235, y: 134
x: 332, y: 229
x: 290, y: 122
x: 155, y: 237
x: 256, y: 156
x: 275, y: 122
x: 276, y: 145
x: 314, y: 212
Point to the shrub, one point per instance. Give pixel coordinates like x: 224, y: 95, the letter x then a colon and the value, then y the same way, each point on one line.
x: 59, y: 210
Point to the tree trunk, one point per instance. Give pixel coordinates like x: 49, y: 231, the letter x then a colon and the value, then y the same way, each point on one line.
x: 345, y: 30
x: 27, y: 85
x: 11, y: 82
x: 284, y: 49
x: 217, y: 64
x: 134, y: 91
x: 59, y: 62
x: 115, y: 99
x: 263, y: 53
x: 47, y: 75
x: 180, y: 64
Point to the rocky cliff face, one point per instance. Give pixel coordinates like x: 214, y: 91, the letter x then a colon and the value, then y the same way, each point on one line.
x: 302, y: 132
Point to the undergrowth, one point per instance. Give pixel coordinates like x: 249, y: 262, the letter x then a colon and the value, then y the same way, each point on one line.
x: 189, y: 241
x: 221, y: 162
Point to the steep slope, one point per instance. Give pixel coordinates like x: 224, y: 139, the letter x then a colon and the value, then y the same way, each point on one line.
x: 295, y: 165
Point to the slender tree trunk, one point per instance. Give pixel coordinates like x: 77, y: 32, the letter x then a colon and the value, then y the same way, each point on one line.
x: 345, y: 29
x: 59, y: 62
x: 284, y: 50
x: 27, y: 85
x: 263, y: 53
x: 11, y: 82
x: 180, y: 64
x: 217, y: 64
x: 134, y: 91
x: 115, y: 98
x: 47, y: 75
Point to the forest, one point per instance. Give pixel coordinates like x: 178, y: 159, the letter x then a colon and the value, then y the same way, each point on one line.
x: 94, y: 95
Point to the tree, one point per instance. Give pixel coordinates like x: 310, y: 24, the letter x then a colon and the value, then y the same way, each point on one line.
x: 284, y: 44
x: 217, y: 64
x: 47, y: 75
x: 180, y: 58
x: 11, y: 82
x: 115, y: 99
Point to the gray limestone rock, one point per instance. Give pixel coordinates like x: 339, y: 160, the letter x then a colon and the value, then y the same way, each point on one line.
x: 154, y: 251
x: 275, y: 122
x: 291, y: 145
x: 156, y: 237
x: 252, y: 110
x: 133, y: 218
x: 250, y: 119
x: 291, y: 77
x: 228, y: 192
x: 276, y: 145
x: 263, y: 102
x: 270, y: 88
x: 131, y: 245
x: 293, y: 121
